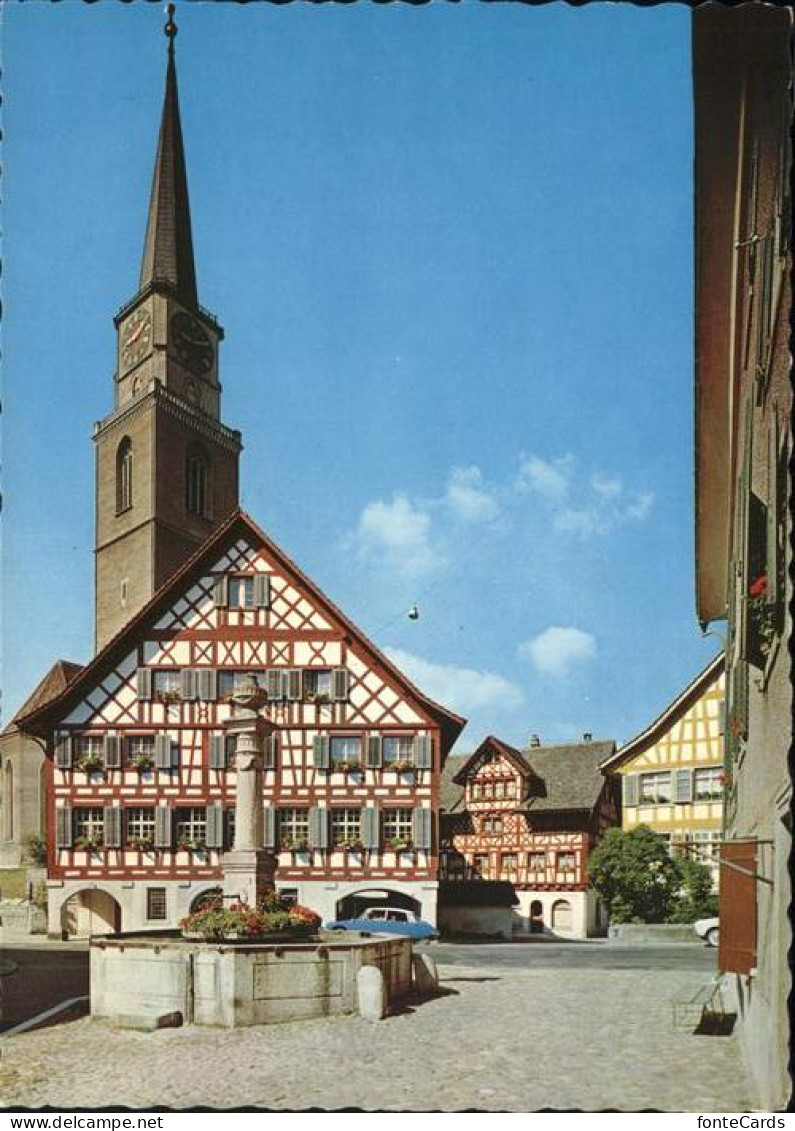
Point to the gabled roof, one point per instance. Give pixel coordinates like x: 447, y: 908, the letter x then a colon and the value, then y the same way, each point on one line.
x: 672, y: 713
x: 38, y: 719
x: 557, y: 778
x: 55, y: 681
x: 514, y: 756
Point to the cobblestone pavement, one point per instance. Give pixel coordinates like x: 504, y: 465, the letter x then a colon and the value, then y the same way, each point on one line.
x: 498, y: 1040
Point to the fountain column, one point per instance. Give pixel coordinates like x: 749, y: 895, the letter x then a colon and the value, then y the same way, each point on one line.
x: 248, y: 869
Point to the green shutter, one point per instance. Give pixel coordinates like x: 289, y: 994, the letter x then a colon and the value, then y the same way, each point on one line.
x: 340, y: 684
x: 374, y: 751
x: 188, y: 681
x: 268, y: 827
x: 321, y: 752
x: 111, y: 751
x: 269, y: 752
x: 274, y: 684
x: 163, y: 835
x: 370, y: 827
x: 262, y: 590
x: 221, y: 591
x: 207, y: 680
x: 63, y: 827
x: 423, y: 751
x: 217, y: 752
x: 318, y: 827
x: 422, y: 828
x: 164, y: 756
x: 630, y: 790
x: 772, y: 511
x: 214, y: 836
x: 111, y: 832
x: 63, y: 752
x: 295, y: 678
x: 144, y: 683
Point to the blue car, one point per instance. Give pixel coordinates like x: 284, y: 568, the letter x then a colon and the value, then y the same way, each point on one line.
x: 388, y: 921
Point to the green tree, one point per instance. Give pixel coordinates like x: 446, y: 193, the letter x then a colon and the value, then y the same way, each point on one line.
x: 634, y: 876
x: 696, y: 899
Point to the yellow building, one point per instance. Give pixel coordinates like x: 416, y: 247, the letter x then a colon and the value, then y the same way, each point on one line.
x: 672, y: 772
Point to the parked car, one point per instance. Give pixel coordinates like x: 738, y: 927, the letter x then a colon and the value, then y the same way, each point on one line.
x: 707, y: 929
x: 387, y: 920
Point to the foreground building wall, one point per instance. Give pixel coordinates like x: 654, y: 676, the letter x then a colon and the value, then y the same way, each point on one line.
x: 743, y: 531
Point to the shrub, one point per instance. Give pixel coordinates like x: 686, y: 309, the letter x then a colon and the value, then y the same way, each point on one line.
x: 35, y: 849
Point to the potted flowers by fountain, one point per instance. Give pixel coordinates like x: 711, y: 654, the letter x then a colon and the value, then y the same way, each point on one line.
x: 274, y: 920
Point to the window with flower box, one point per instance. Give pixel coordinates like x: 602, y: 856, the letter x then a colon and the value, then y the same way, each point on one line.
x: 537, y: 861
x: 398, y: 749
x: 509, y: 865
x: 396, y: 827
x: 708, y: 783
x: 293, y: 828
x: 566, y: 861
x: 345, y: 751
x: 317, y: 685
x: 167, y: 683
x: 655, y: 789
x: 89, y: 752
x: 190, y: 827
x: 89, y: 827
x: 140, y: 751
x: 480, y: 866
x: 140, y: 822
x: 346, y: 827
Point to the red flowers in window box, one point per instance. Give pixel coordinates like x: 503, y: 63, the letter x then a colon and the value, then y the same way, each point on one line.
x: 759, y: 587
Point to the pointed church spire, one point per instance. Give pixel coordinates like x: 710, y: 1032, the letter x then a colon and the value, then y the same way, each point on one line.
x: 168, y: 250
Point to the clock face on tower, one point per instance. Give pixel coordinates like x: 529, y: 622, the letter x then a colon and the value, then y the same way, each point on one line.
x: 136, y: 338
x: 192, y: 343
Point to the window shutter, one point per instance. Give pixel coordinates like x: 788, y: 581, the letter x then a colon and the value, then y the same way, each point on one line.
x: 262, y: 590
x: 111, y: 833
x: 740, y: 701
x: 221, y: 591
x: 144, y: 682
x: 215, y: 826
x: 374, y: 751
x: 423, y: 751
x: 207, y: 684
x: 630, y: 791
x: 422, y: 828
x: 370, y: 826
x: 737, y: 938
x: 268, y: 827
x: 683, y: 786
x: 111, y: 751
x: 295, y: 678
x: 744, y: 578
x: 772, y: 512
x: 163, y: 838
x: 722, y: 716
x: 318, y: 827
x: 269, y: 753
x: 163, y: 752
x: 63, y: 752
x: 274, y: 684
x: 217, y: 752
x: 63, y: 827
x: 320, y: 752
x: 188, y: 683
x: 340, y: 684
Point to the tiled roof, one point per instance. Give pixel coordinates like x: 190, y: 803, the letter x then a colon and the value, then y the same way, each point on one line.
x: 57, y: 678
x: 451, y: 794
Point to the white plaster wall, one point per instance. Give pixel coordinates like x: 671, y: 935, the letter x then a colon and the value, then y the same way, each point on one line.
x: 131, y: 897
x: 583, y: 912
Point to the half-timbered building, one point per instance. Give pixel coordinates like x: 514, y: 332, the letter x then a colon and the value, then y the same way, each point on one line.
x: 191, y: 597
x: 141, y: 775
x: 530, y: 817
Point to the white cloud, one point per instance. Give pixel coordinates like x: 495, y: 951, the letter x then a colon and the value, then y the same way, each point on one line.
x: 639, y: 509
x: 399, y: 534
x: 548, y: 478
x: 467, y: 496
x: 464, y: 690
x: 555, y: 650
x: 606, y: 487
x: 583, y: 522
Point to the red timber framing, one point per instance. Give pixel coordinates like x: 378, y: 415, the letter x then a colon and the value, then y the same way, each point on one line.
x: 499, y: 835
x: 158, y: 692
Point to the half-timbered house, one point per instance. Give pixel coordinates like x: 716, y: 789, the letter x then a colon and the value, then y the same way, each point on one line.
x: 141, y: 776
x: 530, y: 817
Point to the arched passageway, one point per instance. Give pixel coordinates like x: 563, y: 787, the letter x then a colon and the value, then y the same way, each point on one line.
x: 90, y: 912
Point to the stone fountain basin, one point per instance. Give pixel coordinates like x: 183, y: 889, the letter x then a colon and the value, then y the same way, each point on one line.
x: 142, y: 980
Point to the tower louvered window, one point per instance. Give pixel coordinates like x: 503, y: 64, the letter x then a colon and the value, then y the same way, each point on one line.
x: 124, y: 475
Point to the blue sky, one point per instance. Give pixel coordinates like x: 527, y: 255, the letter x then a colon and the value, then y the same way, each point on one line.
x: 451, y: 247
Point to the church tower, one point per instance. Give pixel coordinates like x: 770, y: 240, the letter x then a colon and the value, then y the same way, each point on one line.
x: 166, y: 467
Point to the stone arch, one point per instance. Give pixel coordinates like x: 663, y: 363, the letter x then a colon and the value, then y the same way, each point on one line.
x: 562, y: 917
x: 536, y: 917
x: 90, y: 911
x: 358, y: 898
